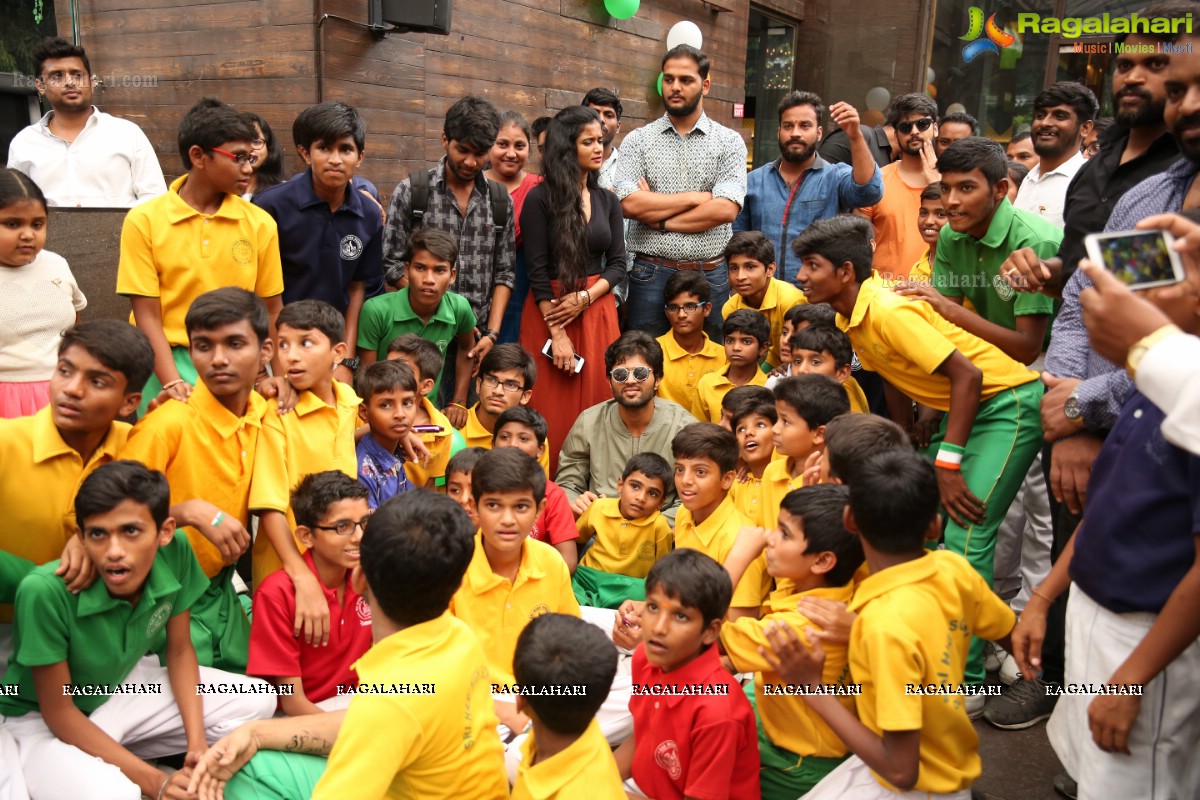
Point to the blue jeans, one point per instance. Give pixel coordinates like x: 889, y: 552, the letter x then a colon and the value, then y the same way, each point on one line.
x: 647, y: 281
x: 510, y: 326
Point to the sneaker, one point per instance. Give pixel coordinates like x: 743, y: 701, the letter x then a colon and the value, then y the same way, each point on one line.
x: 1010, y: 673
x: 1065, y: 785
x: 975, y: 705
x: 1022, y: 705
x: 993, y: 656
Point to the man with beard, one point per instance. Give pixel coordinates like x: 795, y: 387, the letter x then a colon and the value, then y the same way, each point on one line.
x: 898, y: 244
x: 789, y: 194
x: 682, y: 180
x: 77, y: 154
x: 1063, y: 115
x: 1020, y: 149
x: 636, y: 420
x: 953, y: 127
x: 1136, y: 166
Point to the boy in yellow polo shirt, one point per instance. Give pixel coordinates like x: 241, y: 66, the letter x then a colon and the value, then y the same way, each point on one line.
x: 512, y: 578
x: 825, y: 350
x: 753, y: 422
x: 200, y: 235
x: 102, y: 366
x: 804, y: 405
x: 992, y: 429
x: 566, y: 755
x: 688, y: 353
x: 506, y: 378
x: 747, y: 336
x: 705, y: 462
x: 917, y: 611
x: 316, y: 436
x: 629, y: 532
x: 425, y: 360
x: 208, y: 447
x: 818, y: 557
x: 753, y: 285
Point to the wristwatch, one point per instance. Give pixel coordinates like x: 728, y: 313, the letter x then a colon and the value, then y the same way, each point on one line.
x: 351, y: 364
x: 1073, y: 409
x: 492, y: 334
x: 1143, y: 345
x: 662, y: 225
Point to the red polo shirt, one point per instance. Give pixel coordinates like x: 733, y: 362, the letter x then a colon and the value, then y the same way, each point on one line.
x: 276, y: 653
x: 693, y: 745
x: 556, y: 523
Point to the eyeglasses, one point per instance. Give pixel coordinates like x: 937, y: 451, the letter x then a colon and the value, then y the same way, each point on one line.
x: 238, y: 158
x: 920, y: 124
x: 345, y: 527
x: 686, y: 308
x: 258, y: 142
x: 1091, y: 149
x: 512, y: 387
x: 621, y: 374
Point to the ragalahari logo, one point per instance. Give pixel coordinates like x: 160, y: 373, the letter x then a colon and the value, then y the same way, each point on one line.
x: 996, y: 38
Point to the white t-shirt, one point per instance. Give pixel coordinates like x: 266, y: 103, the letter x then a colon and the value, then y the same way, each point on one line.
x: 37, y: 303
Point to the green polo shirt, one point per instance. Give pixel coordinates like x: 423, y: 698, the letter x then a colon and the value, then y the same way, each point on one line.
x: 387, y: 316
x: 969, y: 267
x: 100, y: 637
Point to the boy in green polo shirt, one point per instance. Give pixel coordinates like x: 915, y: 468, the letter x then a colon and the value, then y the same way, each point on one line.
x: 982, y: 230
x: 89, y: 703
x: 426, y: 307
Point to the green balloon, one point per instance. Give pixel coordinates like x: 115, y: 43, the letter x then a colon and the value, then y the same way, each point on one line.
x: 660, y: 84
x: 621, y: 9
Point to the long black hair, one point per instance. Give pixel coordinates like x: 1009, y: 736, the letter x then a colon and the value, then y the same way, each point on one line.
x: 561, y: 170
x: 270, y: 171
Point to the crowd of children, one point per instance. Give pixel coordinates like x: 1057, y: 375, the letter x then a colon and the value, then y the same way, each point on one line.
x: 296, y: 576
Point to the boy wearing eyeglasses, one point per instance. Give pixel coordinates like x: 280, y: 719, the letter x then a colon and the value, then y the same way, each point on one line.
x: 331, y: 513
x: 898, y: 244
x: 506, y: 378
x: 200, y: 235
x: 688, y: 353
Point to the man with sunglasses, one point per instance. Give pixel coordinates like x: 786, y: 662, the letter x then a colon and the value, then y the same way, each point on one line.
x: 898, y: 243
x: 636, y: 420
x: 200, y: 235
x: 76, y: 153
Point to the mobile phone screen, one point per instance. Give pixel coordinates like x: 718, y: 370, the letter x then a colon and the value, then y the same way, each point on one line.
x: 1138, y: 259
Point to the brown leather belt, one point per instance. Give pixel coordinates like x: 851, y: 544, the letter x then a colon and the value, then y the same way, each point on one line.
x: 704, y: 266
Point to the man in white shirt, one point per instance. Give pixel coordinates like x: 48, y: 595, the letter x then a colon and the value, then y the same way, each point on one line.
x: 77, y: 154
x: 1063, y: 114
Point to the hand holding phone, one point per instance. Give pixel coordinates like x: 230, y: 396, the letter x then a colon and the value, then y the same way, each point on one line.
x: 547, y: 351
x: 1138, y: 259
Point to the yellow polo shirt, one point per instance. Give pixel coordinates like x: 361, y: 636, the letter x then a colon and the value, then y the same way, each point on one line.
x: 715, y: 537
x: 313, y: 437
x: 207, y: 453
x: 787, y: 719
x: 497, y: 610
x: 585, y: 768
x: 915, y: 623
x: 432, y: 736
x: 438, y: 444
x: 906, y: 341
x: 858, y: 398
x: 623, y: 546
x: 748, y: 498
x: 476, y: 435
x: 171, y: 251
x: 682, y: 370
x: 777, y: 482
x: 39, y: 477
x: 711, y: 390
x: 780, y: 297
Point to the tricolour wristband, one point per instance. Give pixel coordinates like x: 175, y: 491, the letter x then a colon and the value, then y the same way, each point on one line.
x: 949, y: 456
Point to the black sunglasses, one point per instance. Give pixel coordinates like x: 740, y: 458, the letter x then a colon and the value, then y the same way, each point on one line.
x: 920, y: 124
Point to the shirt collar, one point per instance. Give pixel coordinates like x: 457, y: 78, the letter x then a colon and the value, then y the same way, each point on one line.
x: 330, y: 592
x: 818, y: 164
x: 481, y: 578
x: 159, y: 583
x: 548, y: 778
x: 1068, y: 167
x: 386, y: 461
x: 48, y: 442
x: 232, y: 207
x: 308, y: 197
x: 703, y: 125
x: 439, y: 178
x: 866, y: 293
x: 673, y: 349
x: 221, y: 418
x: 474, y: 428
x: 92, y: 120
x: 886, y: 580
x: 343, y: 396
x: 998, y: 228
x: 402, y: 310
x: 705, y: 531
x: 784, y: 599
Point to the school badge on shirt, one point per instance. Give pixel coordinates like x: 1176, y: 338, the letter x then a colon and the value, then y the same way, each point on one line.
x: 351, y: 247
x: 666, y: 755
x: 158, y: 620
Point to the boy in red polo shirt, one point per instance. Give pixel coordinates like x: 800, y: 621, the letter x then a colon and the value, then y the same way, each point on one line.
x: 694, y: 733
x: 331, y: 512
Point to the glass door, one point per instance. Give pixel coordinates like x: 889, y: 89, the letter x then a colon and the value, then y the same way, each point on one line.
x: 770, y: 72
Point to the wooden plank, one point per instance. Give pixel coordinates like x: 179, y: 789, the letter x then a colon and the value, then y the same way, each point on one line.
x: 235, y: 44
x: 125, y: 72
x: 219, y: 19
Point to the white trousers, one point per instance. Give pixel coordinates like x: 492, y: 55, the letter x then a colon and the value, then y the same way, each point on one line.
x: 149, y: 725
x: 1024, y: 540
x: 1163, y: 763
x: 853, y: 779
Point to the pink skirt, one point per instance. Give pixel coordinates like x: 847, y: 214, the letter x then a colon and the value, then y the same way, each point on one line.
x: 23, y: 399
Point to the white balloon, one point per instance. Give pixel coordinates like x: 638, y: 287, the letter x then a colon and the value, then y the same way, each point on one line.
x: 685, y: 32
x: 878, y: 98
x: 956, y: 108
x: 929, y: 75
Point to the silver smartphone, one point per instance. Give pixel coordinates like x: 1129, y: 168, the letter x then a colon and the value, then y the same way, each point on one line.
x: 578, y: 358
x: 1138, y: 259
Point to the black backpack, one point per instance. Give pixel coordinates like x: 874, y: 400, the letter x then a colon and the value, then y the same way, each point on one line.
x: 419, y: 202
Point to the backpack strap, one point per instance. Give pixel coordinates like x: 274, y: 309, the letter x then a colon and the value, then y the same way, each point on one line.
x: 419, y: 198
x: 500, y: 208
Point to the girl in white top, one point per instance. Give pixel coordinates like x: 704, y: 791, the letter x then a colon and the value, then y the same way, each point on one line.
x: 38, y: 298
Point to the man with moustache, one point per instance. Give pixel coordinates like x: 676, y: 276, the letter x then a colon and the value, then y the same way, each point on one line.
x: 77, y: 154
x: 682, y: 180
x: 789, y: 194
x: 1158, y: 116
x: 1063, y: 114
x: 607, y: 104
x: 898, y: 243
